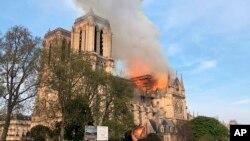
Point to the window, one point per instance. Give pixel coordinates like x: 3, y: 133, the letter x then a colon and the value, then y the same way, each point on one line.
x: 162, y: 129
x: 80, y: 41
x: 101, y: 43
x: 95, y: 42
x: 171, y: 130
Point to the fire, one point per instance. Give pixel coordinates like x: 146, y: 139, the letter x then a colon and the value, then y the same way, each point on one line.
x: 161, y: 82
x: 144, y: 82
x: 146, y: 78
x: 137, y: 68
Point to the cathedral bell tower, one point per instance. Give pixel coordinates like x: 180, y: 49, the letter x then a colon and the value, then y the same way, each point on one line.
x: 92, y: 35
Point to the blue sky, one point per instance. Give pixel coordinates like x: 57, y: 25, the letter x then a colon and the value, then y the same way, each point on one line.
x: 207, y: 41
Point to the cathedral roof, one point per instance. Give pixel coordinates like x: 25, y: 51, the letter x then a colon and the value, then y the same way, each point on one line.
x: 58, y: 30
x: 166, y: 123
x: 154, y: 125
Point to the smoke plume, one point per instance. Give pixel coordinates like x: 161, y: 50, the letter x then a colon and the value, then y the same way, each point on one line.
x: 135, y: 38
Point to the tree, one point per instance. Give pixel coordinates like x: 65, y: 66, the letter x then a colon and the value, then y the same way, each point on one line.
x: 62, y: 72
x: 206, y: 128
x: 96, y: 89
x: 77, y: 115
x: 40, y: 133
x: 2, y: 88
x: 117, y: 115
x: 2, y: 108
x: 185, y: 130
x: 19, y: 63
x: 105, y: 98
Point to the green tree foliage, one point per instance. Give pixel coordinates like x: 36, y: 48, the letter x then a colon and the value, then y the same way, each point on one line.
x: 77, y: 115
x: 85, y: 94
x: 41, y: 133
x: 107, y: 98
x: 122, y: 120
x: 19, y: 63
x: 95, y: 87
x: 115, y: 91
x: 185, y: 130
x: 62, y: 72
x: 206, y: 128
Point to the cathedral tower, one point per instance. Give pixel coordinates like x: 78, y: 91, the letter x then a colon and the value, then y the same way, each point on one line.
x: 91, y: 35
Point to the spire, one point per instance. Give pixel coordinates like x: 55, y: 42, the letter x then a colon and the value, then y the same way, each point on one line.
x: 169, y: 79
x: 176, y: 80
x: 182, y: 84
x: 90, y: 12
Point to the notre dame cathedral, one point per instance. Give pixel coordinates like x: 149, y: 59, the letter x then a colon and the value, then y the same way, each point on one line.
x: 160, y: 110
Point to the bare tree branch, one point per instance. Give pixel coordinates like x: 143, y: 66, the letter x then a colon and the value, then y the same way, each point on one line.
x: 19, y: 60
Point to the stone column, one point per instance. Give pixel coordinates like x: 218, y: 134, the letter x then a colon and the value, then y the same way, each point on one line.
x: 106, y: 42
x: 84, y: 39
x: 91, y: 34
x: 98, y: 38
x: 75, y: 39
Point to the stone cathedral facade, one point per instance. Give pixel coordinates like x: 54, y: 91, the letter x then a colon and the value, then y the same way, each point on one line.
x: 160, y: 110
x: 90, y: 35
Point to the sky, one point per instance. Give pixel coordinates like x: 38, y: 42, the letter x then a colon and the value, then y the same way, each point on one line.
x: 206, y: 41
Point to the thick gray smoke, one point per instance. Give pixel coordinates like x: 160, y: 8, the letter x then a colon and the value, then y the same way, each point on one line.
x: 135, y: 38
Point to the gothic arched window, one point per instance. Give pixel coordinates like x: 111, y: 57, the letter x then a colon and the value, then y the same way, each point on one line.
x: 101, y: 43
x: 80, y: 41
x: 95, y: 42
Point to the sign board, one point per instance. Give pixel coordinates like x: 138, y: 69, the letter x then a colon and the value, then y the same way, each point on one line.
x: 90, y: 133
x: 102, y: 133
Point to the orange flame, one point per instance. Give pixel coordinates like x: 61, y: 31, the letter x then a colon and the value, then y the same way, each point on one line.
x: 161, y: 82
x: 157, y: 81
x: 137, y: 68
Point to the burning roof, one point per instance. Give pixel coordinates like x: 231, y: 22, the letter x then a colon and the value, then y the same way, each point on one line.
x: 144, y: 82
x: 149, y: 82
